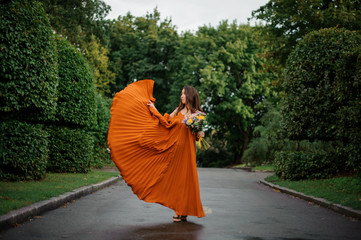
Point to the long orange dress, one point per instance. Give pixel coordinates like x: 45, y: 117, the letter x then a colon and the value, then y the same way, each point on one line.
x: 155, y: 154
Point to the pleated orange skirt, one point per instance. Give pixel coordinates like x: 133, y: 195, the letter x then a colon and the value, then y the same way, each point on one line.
x: 155, y: 154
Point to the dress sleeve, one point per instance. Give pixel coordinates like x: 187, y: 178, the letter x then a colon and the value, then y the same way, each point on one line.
x: 157, y: 136
x: 166, y: 120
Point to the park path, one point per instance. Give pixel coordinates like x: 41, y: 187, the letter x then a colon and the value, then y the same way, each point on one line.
x: 236, y: 204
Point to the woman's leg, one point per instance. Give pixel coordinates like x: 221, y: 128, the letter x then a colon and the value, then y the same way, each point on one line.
x: 177, y: 218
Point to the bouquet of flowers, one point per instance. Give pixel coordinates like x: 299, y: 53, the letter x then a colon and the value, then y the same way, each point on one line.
x: 196, y: 123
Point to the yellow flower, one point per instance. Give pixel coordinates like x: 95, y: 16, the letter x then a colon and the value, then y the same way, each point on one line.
x: 190, y: 120
x: 201, y: 117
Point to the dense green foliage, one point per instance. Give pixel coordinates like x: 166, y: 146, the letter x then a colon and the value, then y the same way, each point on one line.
x: 97, y: 55
x: 141, y: 48
x: 294, y: 165
x: 99, y: 132
x: 70, y: 150
x: 83, y: 23
x: 267, y: 138
x: 63, y: 82
x: 78, y: 20
x: 28, y: 69
x: 322, y: 82
x: 44, y: 79
x: 224, y: 65
x: 287, y: 21
x: 71, y: 146
x: 24, y: 151
x: 76, y: 90
x: 216, y: 156
x: 320, y: 87
x: 28, y: 89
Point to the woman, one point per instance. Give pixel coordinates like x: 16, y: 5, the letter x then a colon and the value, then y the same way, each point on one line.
x: 156, y: 154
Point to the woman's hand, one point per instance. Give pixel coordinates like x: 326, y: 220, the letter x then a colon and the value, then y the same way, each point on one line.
x: 150, y: 103
x: 201, y: 134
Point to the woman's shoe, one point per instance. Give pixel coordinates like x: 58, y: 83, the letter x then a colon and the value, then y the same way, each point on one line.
x: 177, y: 218
x: 183, y: 218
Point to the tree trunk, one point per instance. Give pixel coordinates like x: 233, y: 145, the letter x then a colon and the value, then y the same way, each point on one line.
x: 297, y: 146
x: 237, y: 158
x: 246, y: 139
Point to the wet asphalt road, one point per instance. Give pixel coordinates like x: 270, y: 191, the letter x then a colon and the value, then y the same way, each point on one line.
x: 236, y: 205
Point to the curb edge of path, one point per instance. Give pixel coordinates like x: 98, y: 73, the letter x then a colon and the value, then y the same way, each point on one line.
x: 23, y: 214
x: 349, y: 212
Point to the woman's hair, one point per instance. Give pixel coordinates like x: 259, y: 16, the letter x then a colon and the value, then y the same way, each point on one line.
x: 192, y: 100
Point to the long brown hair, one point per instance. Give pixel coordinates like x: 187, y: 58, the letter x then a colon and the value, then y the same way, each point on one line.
x: 192, y: 100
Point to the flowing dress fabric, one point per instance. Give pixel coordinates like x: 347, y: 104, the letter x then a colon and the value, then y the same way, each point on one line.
x: 155, y: 154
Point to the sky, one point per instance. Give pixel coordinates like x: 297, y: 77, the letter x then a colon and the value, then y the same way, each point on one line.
x: 189, y: 14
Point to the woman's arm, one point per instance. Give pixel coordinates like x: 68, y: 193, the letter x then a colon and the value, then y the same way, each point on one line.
x: 165, y: 120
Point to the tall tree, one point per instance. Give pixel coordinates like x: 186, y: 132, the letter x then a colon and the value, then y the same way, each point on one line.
x: 97, y: 56
x: 141, y: 48
x: 287, y: 21
x: 83, y: 23
x: 78, y: 20
x: 223, y: 63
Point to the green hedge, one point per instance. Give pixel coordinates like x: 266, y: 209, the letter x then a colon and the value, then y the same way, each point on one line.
x: 70, y: 150
x: 322, y: 85
x: 100, y: 129
x: 100, y: 132
x: 28, y: 69
x: 76, y: 90
x: 71, y: 145
x: 43, y: 79
x: 320, y: 79
x: 304, y: 165
x: 23, y: 150
x: 348, y: 130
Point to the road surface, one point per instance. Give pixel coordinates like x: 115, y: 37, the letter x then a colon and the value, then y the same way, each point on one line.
x: 237, y: 206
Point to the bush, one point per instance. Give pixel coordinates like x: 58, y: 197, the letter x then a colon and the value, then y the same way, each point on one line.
x: 70, y: 150
x: 258, y: 152
x: 101, y: 156
x: 266, y: 138
x: 28, y: 69
x: 322, y: 85
x: 348, y: 131
x: 319, y: 74
x: 100, y: 129
x: 214, y: 158
x: 24, y: 151
x: 100, y: 132
x: 76, y: 90
x: 304, y: 165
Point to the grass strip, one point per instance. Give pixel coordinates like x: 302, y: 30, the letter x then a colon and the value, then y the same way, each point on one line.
x: 264, y: 168
x: 241, y: 165
x: 14, y: 195
x: 256, y: 168
x: 342, y: 190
